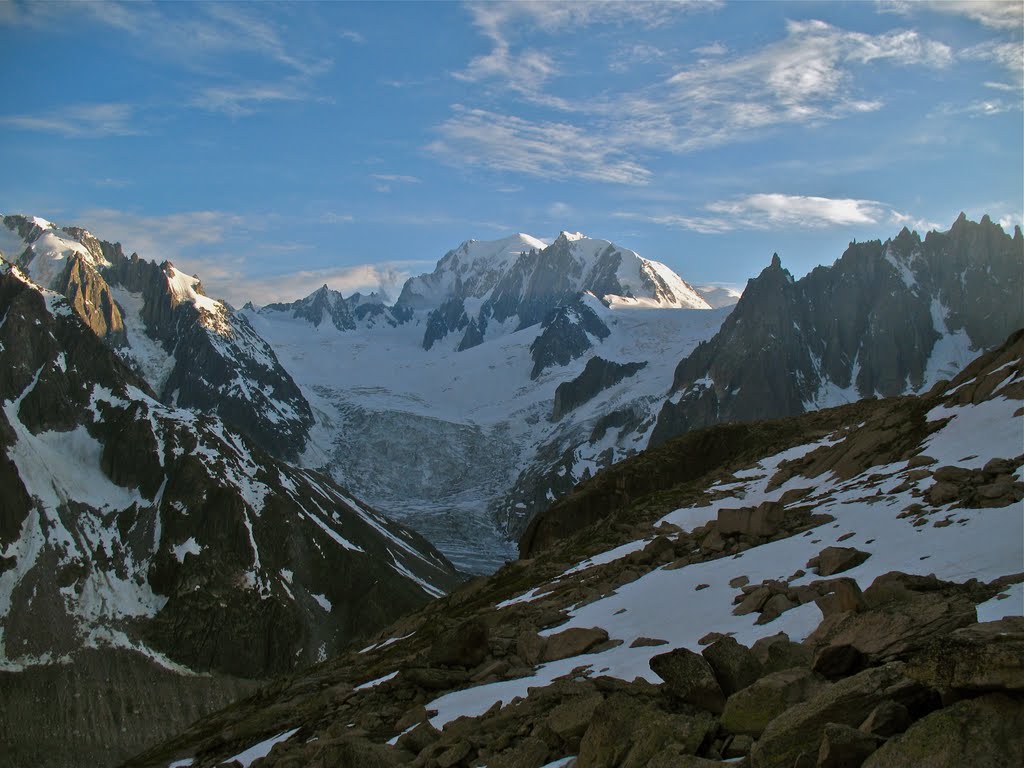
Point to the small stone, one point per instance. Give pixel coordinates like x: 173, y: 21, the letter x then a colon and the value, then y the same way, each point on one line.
x: 699, y: 587
x: 647, y: 642
x: 738, y: 581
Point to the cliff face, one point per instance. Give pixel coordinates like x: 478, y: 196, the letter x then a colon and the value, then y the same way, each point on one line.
x: 885, y: 319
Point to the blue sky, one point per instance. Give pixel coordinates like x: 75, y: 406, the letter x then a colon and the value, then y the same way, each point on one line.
x: 271, y: 148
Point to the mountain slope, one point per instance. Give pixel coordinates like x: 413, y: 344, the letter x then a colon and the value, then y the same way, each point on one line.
x: 193, y: 351
x: 143, y: 539
x: 885, y: 319
x: 590, y: 650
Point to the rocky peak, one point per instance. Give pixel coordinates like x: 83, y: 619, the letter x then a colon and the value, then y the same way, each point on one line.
x: 868, y: 325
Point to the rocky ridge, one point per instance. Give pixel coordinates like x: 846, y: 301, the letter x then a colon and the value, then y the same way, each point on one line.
x: 885, y: 319
x: 654, y: 625
x: 193, y: 351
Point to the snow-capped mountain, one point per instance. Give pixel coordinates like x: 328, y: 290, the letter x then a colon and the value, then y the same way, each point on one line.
x: 518, y: 281
x: 193, y: 351
x: 434, y: 408
x: 843, y: 584
x: 885, y: 319
x: 146, y: 542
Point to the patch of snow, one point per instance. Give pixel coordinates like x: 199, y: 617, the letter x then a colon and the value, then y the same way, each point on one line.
x: 322, y: 601
x: 374, y: 683
x: 256, y: 751
x: 188, y: 547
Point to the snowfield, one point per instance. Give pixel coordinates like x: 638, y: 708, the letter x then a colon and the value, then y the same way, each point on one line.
x: 981, y: 544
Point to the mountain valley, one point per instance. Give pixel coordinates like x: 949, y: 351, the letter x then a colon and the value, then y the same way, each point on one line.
x: 199, y: 499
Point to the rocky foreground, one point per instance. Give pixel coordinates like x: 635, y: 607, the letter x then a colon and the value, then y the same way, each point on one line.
x: 841, y: 588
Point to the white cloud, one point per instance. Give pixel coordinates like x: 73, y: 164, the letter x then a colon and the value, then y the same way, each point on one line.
x: 804, y: 78
x: 80, y: 121
x: 478, y: 138
x: 161, y: 237
x: 207, y: 38
x: 995, y: 14
x: 337, y: 218
x: 385, y: 277
x: 560, y: 210
x: 242, y: 100
x: 397, y: 178
x: 624, y: 59
x: 526, y: 70
x: 776, y: 211
x: 352, y: 36
x: 712, y: 49
x: 1009, y: 55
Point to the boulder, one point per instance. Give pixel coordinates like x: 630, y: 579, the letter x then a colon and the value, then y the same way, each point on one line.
x: 530, y: 647
x: 897, y: 628
x: 419, y: 738
x: 463, y: 646
x: 754, y: 601
x: 799, y: 729
x: 774, y: 607
x: 844, y: 595
x: 777, y: 652
x: 629, y: 732
x: 531, y: 752
x: 573, y: 642
x: 690, y: 678
x: 837, y: 559
x: 977, y: 658
x: 844, y: 747
x: 750, y: 710
x: 985, y: 731
x: 764, y: 520
x: 734, y: 665
x: 571, y: 718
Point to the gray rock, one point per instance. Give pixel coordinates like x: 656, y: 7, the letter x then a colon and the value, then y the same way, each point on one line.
x: 689, y: 677
x: 734, y: 665
x: 985, y: 731
x: 750, y: 710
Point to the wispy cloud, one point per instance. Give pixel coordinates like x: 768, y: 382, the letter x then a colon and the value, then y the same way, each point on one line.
x: 808, y: 77
x: 630, y: 56
x: 243, y: 100
x: 1007, y: 54
x: 805, y: 77
x: 994, y: 14
x: 397, y: 178
x: 192, y: 38
x: 80, y: 121
x: 161, y: 237
x: 336, y: 218
x: 776, y: 211
x: 352, y: 36
x: 478, y: 138
x: 526, y: 69
x: 210, y: 39
x: 385, y: 277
